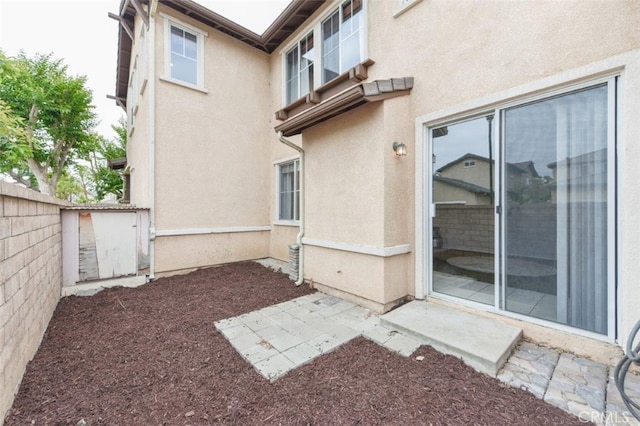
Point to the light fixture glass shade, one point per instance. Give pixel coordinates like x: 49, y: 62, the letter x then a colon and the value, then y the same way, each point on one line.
x: 400, y: 148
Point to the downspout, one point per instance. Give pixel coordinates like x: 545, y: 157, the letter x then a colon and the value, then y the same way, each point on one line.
x: 302, y: 193
x: 151, y: 91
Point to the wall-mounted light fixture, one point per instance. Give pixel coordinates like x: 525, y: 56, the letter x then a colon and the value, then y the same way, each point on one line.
x: 400, y: 149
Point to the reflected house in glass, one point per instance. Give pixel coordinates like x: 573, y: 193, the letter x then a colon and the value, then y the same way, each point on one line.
x: 585, y: 172
x: 467, y: 180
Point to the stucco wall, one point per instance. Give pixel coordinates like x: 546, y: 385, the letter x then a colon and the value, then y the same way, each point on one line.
x: 216, y: 155
x: 345, y: 178
x: 280, y: 239
x: 30, y: 279
x: 211, y: 148
x: 462, y: 50
x: 138, y: 139
x: 357, y: 193
x: 183, y: 253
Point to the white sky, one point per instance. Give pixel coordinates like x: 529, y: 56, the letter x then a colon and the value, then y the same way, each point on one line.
x: 81, y: 34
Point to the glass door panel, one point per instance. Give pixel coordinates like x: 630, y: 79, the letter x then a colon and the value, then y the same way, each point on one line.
x: 462, y: 189
x: 555, y: 195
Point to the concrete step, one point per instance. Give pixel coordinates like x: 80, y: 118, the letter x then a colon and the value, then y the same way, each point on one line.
x: 482, y: 343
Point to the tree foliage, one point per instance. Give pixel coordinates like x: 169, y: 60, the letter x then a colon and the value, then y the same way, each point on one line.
x: 106, y: 180
x: 13, y: 146
x: 51, y: 115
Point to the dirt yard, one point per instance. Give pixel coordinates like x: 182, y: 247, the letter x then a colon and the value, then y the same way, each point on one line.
x: 151, y: 356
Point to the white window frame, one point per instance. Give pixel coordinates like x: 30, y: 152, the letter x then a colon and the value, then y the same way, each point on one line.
x: 316, y: 27
x: 298, y: 45
x: 340, y: 11
x: 170, y: 21
x: 559, y: 84
x: 278, y: 166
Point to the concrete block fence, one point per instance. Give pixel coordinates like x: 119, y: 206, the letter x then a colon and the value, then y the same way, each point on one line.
x: 30, y: 279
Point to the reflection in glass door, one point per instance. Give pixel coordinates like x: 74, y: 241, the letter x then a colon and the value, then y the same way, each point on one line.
x: 463, y: 208
x: 557, y: 200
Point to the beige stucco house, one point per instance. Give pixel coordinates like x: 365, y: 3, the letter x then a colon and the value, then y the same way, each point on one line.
x: 242, y: 145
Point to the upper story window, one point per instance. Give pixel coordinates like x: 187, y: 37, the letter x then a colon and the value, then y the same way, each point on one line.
x: 470, y: 163
x: 342, y: 39
x: 300, y: 69
x: 336, y: 43
x: 184, y: 53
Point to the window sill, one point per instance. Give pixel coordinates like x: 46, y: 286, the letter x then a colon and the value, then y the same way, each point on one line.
x: 183, y: 84
x: 405, y: 7
x: 294, y: 223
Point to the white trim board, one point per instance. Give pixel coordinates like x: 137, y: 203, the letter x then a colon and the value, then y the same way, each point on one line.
x: 204, y: 231
x: 356, y: 248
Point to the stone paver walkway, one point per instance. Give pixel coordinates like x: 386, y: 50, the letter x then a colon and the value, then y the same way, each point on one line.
x: 282, y: 337
x: 578, y: 385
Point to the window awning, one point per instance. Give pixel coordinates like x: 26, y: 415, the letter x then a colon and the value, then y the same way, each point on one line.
x: 353, y: 97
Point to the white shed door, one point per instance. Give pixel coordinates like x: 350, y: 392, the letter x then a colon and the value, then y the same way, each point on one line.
x: 107, y: 245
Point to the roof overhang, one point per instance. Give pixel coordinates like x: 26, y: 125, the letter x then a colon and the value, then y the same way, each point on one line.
x: 289, y: 20
x: 353, y: 97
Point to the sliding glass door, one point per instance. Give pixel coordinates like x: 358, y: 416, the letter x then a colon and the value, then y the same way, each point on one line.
x: 531, y: 211
x: 557, y: 195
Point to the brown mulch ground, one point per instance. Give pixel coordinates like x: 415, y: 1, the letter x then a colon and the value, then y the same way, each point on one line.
x: 151, y: 356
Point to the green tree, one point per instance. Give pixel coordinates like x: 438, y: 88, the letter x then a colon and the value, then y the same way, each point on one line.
x: 105, y: 179
x: 13, y: 146
x: 55, y: 115
x: 69, y: 189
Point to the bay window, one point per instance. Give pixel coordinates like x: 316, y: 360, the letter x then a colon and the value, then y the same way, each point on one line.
x: 340, y: 41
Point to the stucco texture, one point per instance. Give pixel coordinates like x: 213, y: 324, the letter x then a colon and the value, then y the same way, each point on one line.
x: 214, y: 173
x: 461, y: 50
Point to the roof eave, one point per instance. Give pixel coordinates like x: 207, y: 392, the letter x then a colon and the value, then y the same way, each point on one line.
x: 285, y: 24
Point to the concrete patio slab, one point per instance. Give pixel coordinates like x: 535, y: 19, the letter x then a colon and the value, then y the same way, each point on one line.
x: 482, y: 343
x: 404, y: 345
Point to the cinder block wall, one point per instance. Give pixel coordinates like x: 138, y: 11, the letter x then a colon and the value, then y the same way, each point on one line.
x: 468, y: 228
x: 30, y: 280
